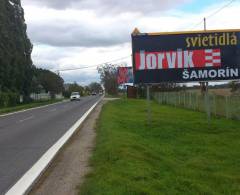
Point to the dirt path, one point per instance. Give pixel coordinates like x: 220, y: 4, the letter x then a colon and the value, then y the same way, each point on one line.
x: 71, y: 165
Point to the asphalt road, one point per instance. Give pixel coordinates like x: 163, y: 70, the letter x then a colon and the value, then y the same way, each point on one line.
x: 26, y: 136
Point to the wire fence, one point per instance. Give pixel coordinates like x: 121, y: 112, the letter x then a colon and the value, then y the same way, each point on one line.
x: 226, y: 106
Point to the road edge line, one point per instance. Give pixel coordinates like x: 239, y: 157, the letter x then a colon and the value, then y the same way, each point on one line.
x: 20, y: 111
x: 25, y: 183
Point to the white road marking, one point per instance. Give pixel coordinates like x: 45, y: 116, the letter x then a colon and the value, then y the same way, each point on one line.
x: 25, y: 183
x: 26, y: 119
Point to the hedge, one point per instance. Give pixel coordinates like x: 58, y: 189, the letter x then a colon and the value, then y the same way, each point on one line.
x: 8, y: 99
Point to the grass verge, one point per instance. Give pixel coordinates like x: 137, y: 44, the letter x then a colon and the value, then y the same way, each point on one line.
x: 27, y: 106
x: 178, y: 154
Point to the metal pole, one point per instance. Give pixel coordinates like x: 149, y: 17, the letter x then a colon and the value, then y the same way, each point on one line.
x: 207, y: 103
x: 215, y: 105
x: 226, y: 107
x: 190, y: 100
x: 179, y: 98
x: 148, y: 105
x: 205, y: 24
x: 175, y: 95
x: 184, y: 100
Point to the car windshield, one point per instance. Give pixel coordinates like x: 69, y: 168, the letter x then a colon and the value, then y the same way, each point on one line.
x: 75, y: 93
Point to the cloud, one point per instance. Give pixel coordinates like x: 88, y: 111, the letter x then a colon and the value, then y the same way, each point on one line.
x: 81, y: 77
x: 109, y: 6
x: 71, y: 37
x: 71, y: 28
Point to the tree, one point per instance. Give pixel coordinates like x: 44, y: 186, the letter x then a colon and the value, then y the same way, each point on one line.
x: 73, y: 87
x: 50, y: 81
x: 16, y: 69
x: 76, y: 88
x: 95, y: 87
x: 108, y: 76
x: 87, y: 90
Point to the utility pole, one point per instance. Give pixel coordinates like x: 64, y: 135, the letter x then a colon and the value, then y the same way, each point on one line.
x: 205, y: 24
x: 205, y: 88
x: 205, y: 28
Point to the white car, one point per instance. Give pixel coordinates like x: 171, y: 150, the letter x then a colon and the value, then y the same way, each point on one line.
x: 75, y: 96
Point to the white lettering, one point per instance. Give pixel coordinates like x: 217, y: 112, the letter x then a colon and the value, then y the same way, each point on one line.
x: 171, y: 59
x: 160, y: 60
x: 188, y: 63
x: 142, y: 60
x: 234, y: 72
x: 212, y: 73
x: 193, y: 75
x: 185, y: 74
x: 221, y: 73
x: 227, y: 72
x: 151, y: 61
x: 179, y: 57
x: 202, y: 74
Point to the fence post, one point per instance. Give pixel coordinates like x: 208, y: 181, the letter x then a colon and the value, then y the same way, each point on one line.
x: 175, y: 99
x: 179, y: 99
x: 190, y: 100
x: 195, y: 101
x: 166, y: 98
x: 148, y: 105
x: 184, y: 103
x: 207, y: 104
x: 226, y: 107
x: 215, y: 105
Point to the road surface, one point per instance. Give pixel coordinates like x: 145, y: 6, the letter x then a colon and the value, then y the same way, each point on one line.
x: 26, y: 136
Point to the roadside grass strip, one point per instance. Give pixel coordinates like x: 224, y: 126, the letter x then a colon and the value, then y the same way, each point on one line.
x: 179, y: 153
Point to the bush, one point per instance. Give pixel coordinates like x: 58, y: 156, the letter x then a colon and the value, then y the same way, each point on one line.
x: 3, y: 99
x: 66, y: 94
x: 8, y: 99
x: 13, y: 99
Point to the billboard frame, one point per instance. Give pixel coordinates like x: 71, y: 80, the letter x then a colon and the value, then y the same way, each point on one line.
x: 137, y: 33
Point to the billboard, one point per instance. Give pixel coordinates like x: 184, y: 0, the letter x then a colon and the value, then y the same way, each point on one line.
x: 125, y: 75
x: 186, y: 56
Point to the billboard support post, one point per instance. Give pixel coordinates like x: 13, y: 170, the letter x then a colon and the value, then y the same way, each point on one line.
x: 207, y: 103
x: 148, y: 105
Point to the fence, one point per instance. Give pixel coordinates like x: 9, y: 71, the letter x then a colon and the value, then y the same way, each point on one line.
x: 44, y: 96
x: 40, y: 96
x: 226, y: 106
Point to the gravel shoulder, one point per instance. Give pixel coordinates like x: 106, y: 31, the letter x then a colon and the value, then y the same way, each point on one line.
x: 71, y: 165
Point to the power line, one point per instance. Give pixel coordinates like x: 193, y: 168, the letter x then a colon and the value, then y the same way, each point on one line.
x: 93, y: 66
x: 212, y: 14
x: 220, y: 9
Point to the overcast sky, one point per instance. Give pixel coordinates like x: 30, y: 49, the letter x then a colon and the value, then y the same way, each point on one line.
x: 78, y: 33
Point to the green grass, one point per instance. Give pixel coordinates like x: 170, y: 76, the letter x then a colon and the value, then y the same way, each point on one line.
x: 27, y: 106
x: 112, y: 96
x: 178, y: 154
